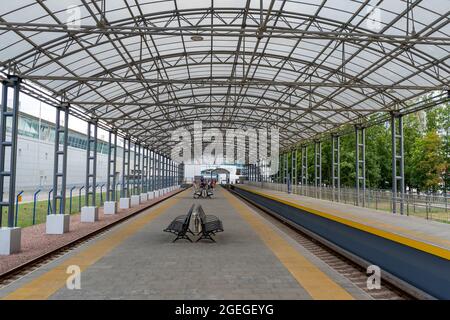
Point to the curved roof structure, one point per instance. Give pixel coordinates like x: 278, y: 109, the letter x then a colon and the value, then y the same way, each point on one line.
x: 146, y: 67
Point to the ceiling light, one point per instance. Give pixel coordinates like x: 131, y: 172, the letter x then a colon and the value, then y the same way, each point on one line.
x: 196, y: 38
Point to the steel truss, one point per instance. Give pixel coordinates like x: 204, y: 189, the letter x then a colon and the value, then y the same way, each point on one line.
x: 267, y: 82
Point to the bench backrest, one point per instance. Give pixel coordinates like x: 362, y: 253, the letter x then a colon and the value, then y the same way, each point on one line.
x: 201, y: 214
x: 187, y: 220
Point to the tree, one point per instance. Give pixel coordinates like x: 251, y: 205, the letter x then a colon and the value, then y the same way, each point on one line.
x: 428, y: 162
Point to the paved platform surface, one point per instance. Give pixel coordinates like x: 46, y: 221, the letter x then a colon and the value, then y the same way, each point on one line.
x: 426, y: 231
x: 252, y: 259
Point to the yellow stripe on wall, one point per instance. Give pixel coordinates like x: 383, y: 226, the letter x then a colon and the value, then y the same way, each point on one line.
x: 47, y: 284
x: 312, y: 279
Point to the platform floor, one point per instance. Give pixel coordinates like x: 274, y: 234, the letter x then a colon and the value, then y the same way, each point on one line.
x: 429, y: 232
x: 252, y: 259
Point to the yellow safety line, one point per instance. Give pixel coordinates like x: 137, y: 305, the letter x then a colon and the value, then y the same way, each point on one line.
x: 426, y: 247
x: 47, y: 284
x: 312, y: 279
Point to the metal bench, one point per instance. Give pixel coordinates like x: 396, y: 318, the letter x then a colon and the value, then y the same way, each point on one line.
x: 209, y: 192
x: 180, y: 226
x: 210, y: 225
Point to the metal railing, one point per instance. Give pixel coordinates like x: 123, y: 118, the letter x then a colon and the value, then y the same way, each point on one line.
x: 428, y: 206
x: 33, y: 211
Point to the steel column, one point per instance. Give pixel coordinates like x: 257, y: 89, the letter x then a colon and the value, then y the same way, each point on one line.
x: 360, y: 163
x: 158, y: 171
x: 136, y: 169
x: 125, y: 190
x: 144, y: 170
x: 153, y: 164
x: 304, y: 169
x: 398, y: 170
x: 318, y: 166
x: 60, y: 159
x: 91, y: 163
x: 112, y: 166
x: 336, y: 167
x: 294, y: 167
x: 14, y: 83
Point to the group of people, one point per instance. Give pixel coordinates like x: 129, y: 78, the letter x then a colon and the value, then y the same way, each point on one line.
x: 204, y: 188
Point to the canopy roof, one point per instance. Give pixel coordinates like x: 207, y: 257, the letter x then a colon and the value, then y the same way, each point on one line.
x: 146, y: 67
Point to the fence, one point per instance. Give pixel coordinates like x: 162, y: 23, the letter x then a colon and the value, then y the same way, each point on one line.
x: 427, y: 206
x: 35, y: 210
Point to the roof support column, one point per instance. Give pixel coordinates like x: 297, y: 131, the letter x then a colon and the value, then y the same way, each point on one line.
x: 318, y: 168
x: 287, y: 179
x: 125, y: 202
x: 304, y: 169
x: 398, y: 160
x: 294, y: 170
x: 158, y: 171
x: 110, y: 205
x: 60, y: 159
x: 360, y: 163
x: 111, y: 167
x: 89, y: 213
x: 336, y: 167
x: 125, y: 190
x: 144, y: 170
x: 136, y: 170
x: 153, y: 164
x: 12, y: 233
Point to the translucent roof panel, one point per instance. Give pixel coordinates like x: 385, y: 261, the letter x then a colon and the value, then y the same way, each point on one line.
x: 305, y: 66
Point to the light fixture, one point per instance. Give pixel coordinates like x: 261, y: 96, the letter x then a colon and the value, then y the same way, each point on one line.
x: 196, y: 38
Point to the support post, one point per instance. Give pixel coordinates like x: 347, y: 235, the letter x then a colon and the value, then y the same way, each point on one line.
x: 360, y: 163
x: 110, y: 205
x: 294, y: 168
x: 304, y: 169
x: 336, y: 167
x: 89, y: 213
x: 398, y: 170
x: 9, y: 237
x: 318, y: 167
x: 58, y: 222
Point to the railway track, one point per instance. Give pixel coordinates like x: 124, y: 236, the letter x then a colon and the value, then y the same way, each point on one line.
x: 349, y: 269
x: 18, y: 272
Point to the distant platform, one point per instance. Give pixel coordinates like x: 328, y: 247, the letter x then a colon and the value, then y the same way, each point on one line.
x: 252, y: 259
x: 413, y: 249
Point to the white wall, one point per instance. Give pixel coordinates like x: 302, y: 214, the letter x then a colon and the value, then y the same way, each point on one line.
x: 35, y: 165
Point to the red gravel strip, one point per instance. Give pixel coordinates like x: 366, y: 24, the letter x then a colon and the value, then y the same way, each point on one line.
x: 36, y: 243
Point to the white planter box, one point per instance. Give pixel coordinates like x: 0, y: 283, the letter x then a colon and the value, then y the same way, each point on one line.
x: 125, y: 203
x: 150, y: 195
x: 135, y: 201
x: 10, y: 240
x: 144, y: 197
x: 89, y: 214
x: 57, y: 224
x: 110, y: 207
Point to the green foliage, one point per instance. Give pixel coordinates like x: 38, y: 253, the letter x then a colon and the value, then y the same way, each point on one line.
x: 426, y: 147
